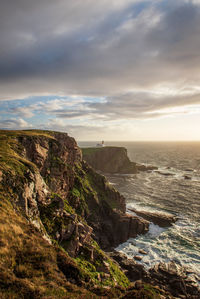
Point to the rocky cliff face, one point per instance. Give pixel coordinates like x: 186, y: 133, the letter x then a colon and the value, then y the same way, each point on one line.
x: 112, y: 159
x: 109, y: 159
x: 55, y: 212
x: 67, y: 183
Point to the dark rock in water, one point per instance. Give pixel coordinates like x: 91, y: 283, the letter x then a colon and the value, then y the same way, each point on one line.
x: 142, y: 251
x: 141, y: 167
x: 162, y: 220
x: 165, y: 173
x: 186, y: 177
x: 137, y: 258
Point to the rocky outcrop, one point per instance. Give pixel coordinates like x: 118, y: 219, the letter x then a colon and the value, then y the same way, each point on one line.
x: 174, y: 279
x: 163, y: 220
x: 104, y: 209
x: 109, y: 159
x: 169, y: 278
x: 112, y: 159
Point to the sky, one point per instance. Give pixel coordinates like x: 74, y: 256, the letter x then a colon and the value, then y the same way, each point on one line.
x: 125, y: 70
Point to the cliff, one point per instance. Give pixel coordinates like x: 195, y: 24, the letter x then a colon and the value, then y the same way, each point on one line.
x: 112, y: 159
x: 54, y: 208
x: 57, y: 214
x: 109, y: 159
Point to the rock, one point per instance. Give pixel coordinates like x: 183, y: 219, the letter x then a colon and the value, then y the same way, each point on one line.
x: 104, y: 267
x: 165, y: 173
x: 186, y: 177
x: 1, y: 175
x: 138, y: 284
x: 137, y: 258
x: 163, y: 220
x: 147, y: 168
x: 168, y: 278
x: 125, y: 227
x: 142, y: 251
x: 133, y: 270
x: 174, y: 277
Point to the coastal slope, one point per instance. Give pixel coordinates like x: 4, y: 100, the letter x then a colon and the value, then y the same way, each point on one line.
x: 55, y: 212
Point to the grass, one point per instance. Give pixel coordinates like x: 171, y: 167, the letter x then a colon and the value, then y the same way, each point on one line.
x: 28, y: 264
x: 11, y: 156
x: 90, y: 150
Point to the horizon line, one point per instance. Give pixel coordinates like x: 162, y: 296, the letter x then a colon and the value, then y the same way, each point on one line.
x: 139, y: 140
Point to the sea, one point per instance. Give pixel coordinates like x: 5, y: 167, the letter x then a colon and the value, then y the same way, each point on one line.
x: 174, y: 188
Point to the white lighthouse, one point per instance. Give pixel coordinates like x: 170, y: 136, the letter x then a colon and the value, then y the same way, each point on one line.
x: 102, y: 144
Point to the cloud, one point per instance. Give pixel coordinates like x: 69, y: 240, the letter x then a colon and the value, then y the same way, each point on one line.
x: 97, y: 48
x: 14, y: 124
x: 130, y: 105
x: 143, y: 105
x: 22, y: 111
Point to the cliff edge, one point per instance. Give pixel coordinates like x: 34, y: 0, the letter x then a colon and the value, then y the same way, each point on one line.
x: 112, y: 159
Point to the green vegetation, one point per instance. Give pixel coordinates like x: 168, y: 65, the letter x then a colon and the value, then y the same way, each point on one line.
x: 81, y: 192
x: 86, y: 151
x: 102, y: 270
x: 89, y: 191
x: 103, y: 189
x: 90, y: 150
x: 10, y: 161
x: 51, y: 219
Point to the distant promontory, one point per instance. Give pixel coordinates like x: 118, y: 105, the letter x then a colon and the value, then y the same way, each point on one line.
x: 112, y: 159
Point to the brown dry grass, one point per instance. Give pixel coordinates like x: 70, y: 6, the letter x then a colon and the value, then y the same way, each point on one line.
x: 28, y: 264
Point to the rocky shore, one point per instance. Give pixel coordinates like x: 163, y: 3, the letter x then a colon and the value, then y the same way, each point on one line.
x: 169, y: 278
